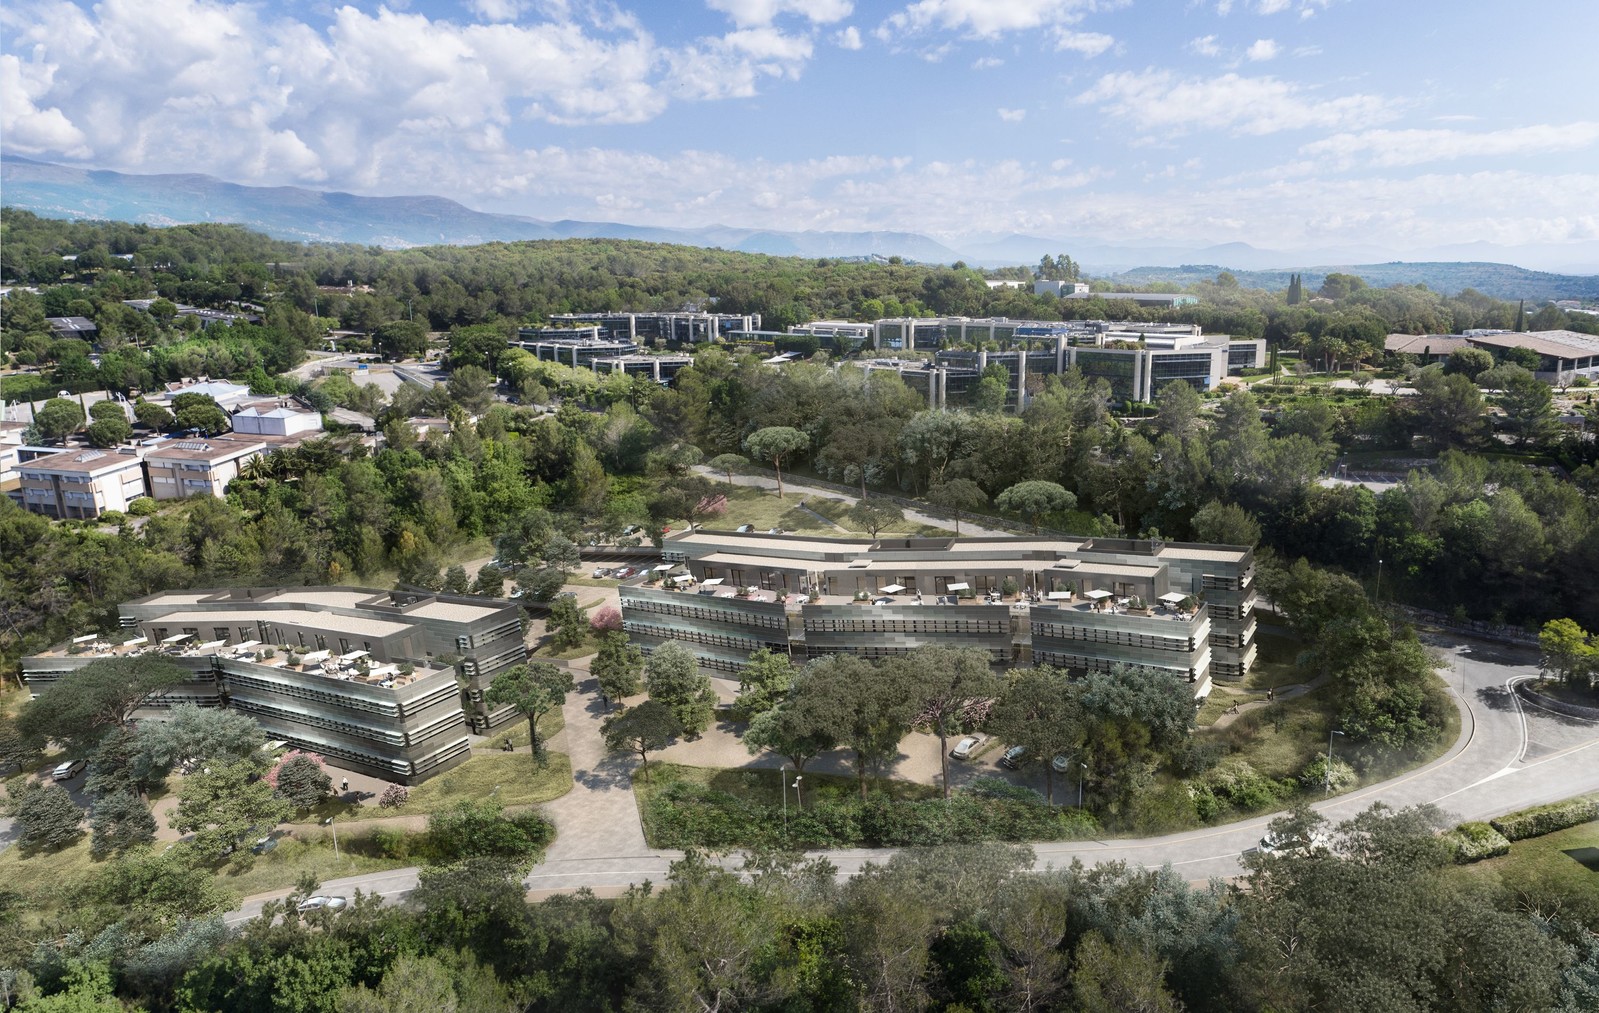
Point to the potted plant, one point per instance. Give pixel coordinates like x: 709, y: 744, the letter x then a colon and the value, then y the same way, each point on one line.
x: 1137, y: 606
x: 1008, y: 587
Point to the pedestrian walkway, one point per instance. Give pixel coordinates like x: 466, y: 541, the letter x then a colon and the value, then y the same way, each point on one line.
x: 1279, y: 693
x: 598, y: 830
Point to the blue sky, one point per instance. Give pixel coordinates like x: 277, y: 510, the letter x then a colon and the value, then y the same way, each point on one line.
x: 1396, y: 126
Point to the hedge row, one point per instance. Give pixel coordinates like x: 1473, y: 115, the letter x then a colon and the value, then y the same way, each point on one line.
x: 684, y: 815
x: 1546, y: 819
x: 1476, y: 841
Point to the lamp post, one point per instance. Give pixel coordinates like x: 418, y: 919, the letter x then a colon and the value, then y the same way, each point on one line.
x: 1082, y: 773
x: 1377, y: 594
x: 798, y: 802
x: 782, y: 776
x: 1330, y: 735
x: 329, y: 824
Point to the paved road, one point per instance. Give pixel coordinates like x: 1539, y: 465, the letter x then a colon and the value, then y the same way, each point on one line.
x: 1508, y: 757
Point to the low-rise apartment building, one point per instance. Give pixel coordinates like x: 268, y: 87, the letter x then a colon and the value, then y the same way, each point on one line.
x: 82, y: 483
x: 388, y: 683
x: 1082, y: 604
x: 178, y: 469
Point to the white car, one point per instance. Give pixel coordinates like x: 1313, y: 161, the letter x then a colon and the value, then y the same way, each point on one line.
x: 963, y: 749
x: 1061, y: 764
x: 320, y: 903
x: 68, y: 770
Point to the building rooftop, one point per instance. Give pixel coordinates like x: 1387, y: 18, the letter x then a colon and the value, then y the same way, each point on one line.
x: 1425, y: 344
x: 1555, y: 344
x: 455, y: 611
x: 361, y: 626
x: 210, y: 449
x: 83, y: 462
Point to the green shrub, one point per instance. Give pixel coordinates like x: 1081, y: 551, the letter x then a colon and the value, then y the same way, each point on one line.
x: 470, y: 829
x: 1475, y: 841
x: 683, y: 815
x: 1546, y: 819
x: 1314, y: 776
x: 1245, y: 788
x: 144, y: 506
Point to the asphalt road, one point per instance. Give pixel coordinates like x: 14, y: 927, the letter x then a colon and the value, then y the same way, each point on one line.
x: 1508, y: 757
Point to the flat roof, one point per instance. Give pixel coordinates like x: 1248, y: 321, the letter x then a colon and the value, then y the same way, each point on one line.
x: 1555, y: 344
x: 82, y: 461
x: 210, y: 449
x: 366, y: 626
x: 454, y: 611
x: 1417, y: 344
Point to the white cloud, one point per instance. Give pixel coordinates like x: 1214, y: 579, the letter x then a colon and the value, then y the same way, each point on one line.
x: 987, y: 63
x: 1262, y: 50
x: 757, y: 13
x: 1205, y: 45
x: 1089, y: 44
x: 1392, y: 148
x: 1156, y: 100
x: 1012, y: 115
x: 987, y: 19
x: 245, y: 93
x: 494, y: 10
x: 849, y: 38
x: 1273, y: 6
x: 27, y: 127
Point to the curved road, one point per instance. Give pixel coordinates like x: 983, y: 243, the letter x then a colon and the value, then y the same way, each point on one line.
x: 1508, y: 757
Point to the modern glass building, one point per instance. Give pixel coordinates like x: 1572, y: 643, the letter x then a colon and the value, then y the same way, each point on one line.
x: 1084, y: 604
x: 388, y: 683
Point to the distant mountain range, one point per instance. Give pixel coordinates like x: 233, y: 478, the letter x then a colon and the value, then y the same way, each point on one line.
x: 297, y: 213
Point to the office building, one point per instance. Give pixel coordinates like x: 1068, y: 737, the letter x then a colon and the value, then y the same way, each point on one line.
x: 1081, y: 604
x: 388, y: 683
x: 661, y: 329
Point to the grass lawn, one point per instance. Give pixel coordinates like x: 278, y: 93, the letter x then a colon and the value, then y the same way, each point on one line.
x: 1280, y: 739
x: 513, y: 778
x: 516, y: 731
x: 546, y: 650
x: 1563, y: 864
x: 285, y: 864
x: 1274, y: 662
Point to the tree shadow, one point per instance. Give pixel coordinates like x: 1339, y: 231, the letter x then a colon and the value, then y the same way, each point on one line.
x: 1588, y: 858
x: 1496, y: 698
x: 612, y: 772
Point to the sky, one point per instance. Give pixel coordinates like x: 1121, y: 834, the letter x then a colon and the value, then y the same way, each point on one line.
x: 1388, y: 125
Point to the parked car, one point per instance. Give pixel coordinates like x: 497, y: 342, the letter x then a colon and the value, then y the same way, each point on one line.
x: 622, y: 573
x: 68, y: 770
x: 263, y: 845
x: 963, y: 749
x: 1291, y: 842
x: 600, y: 572
x: 1061, y: 764
x: 746, y: 529
x: 1013, y: 757
x: 320, y: 903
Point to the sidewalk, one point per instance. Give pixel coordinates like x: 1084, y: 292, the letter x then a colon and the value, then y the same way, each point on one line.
x: 598, y: 831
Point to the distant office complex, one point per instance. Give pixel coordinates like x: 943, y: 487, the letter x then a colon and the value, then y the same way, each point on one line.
x: 1082, y: 604
x: 384, y: 682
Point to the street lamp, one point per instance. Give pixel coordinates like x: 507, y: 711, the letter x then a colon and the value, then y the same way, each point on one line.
x: 1330, y: 735
x: 798, y: 804
x: 329, y: 824
x: 1377, y: 594
x: 782, y: 777
x: 1080, y: 776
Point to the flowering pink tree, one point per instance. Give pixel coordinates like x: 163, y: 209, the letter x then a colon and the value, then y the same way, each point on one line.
x: 272, y: 775
x: 605, y: 620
